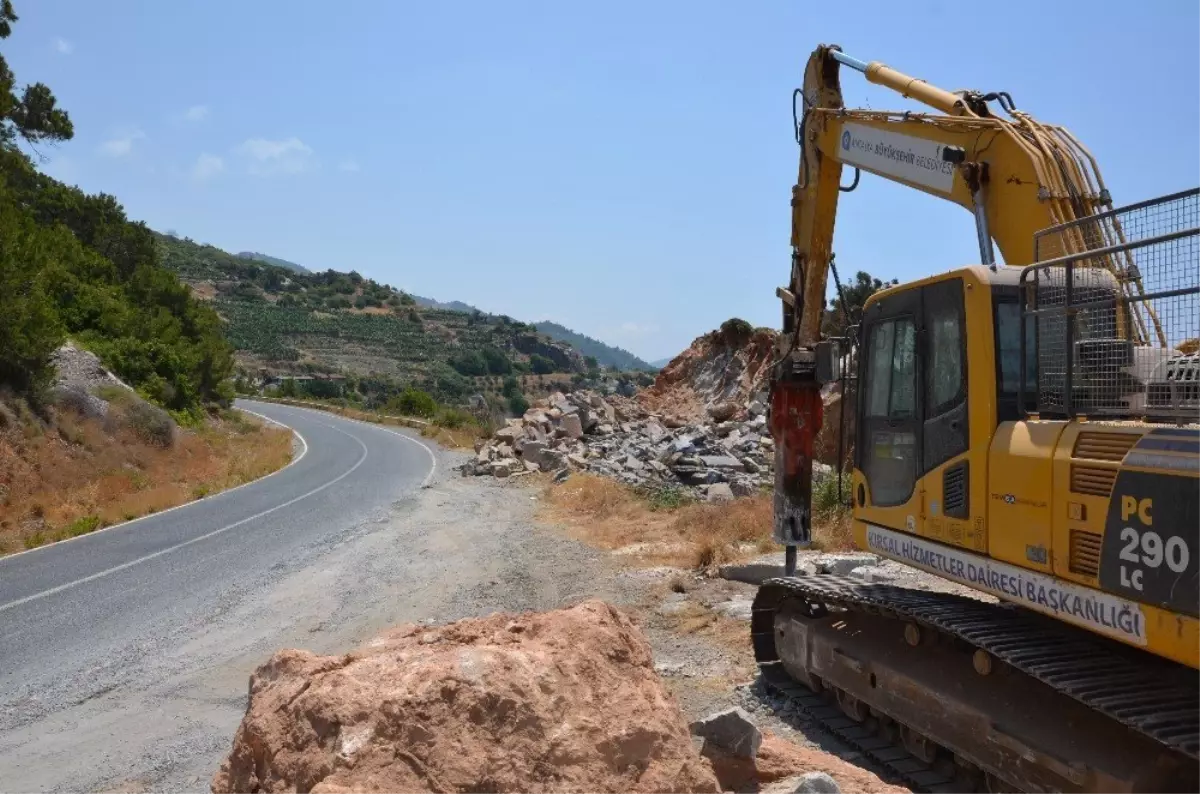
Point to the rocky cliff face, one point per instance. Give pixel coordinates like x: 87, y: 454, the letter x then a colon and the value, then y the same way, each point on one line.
x: 558, y: 701
x: 726, y: 367
x: 565, y: 357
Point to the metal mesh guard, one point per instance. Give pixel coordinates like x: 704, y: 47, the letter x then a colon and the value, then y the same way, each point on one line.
x: 1114, y: 303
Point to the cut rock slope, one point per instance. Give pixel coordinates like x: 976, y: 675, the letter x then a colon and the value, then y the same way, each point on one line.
x: 558, y: 701
x: 725, y: 367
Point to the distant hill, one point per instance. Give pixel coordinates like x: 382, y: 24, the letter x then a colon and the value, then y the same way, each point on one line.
x: 660, y: 363
x: 274, y: 260
x: 452, y: 306
x: 606, y: 355
x: 281, y: 320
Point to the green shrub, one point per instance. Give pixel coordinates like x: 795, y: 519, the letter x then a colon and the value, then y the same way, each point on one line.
x: 540, y: 364
x: 668, y: 497
x: 453, y: 418
x: 735, y: 331
x: 517, y: 404
x: 469, y: 363
x: 82, y: 526
x: 825, y: 493
x: 496, y: 362
x: 151, y: 423
x: 412, y: 402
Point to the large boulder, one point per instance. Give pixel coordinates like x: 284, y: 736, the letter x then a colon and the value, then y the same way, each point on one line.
x: 559, y: 701
x: 732, y: 731
x: 723, y: 411
x: 571, y: 426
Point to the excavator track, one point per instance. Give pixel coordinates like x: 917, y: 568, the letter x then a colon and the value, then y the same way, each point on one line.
x: 1155, y: 704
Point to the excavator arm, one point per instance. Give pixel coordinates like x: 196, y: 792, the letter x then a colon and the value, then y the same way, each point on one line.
x: 1015, y: 175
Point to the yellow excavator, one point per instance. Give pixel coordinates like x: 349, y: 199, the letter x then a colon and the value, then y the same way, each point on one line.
x: 1029, y: 430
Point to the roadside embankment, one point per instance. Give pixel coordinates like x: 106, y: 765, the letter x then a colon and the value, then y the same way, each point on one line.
x: 93, y: 453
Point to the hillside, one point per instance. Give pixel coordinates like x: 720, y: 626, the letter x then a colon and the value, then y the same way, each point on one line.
x: 274, y: 260
x: 606, y: 355
x: 280, y: 321
x: 192, y: 265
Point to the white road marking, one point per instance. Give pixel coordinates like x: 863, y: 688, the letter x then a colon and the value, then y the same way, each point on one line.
x: 218, y: 495
x: 432, y: 457
x: 197, y: 539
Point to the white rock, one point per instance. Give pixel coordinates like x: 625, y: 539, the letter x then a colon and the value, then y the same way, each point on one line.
x: 843, y: 564
x: 719, y: 492
x: 871, y: 574
x: 816, y: 783
x: 736, y: 608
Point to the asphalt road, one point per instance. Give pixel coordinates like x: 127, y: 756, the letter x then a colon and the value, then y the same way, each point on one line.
x: 83, y: 618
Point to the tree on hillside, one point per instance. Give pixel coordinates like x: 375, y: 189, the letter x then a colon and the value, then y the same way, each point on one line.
x: 34, y: 116
x: 855, y: 293
x: 497, y: 362
x: 30, y: 330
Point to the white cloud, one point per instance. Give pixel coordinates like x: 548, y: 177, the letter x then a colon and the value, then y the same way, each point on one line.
x: 207, y: 166
x: 63, y: 47
x: 348, y: 165
x: 196, y: 113
x: 289, y: 156
x: 121, y: 145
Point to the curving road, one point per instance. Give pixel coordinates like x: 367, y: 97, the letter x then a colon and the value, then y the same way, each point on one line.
x: 129, y: 607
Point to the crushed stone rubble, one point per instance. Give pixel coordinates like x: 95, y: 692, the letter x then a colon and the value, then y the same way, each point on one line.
x: 727, y: 455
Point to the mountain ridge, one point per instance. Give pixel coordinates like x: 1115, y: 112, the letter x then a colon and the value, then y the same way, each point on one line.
x: 605, y: 354
x: 274, y: 260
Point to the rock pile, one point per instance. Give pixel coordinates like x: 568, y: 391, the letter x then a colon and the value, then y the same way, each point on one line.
x: 729, y: 454
x: 558, y: 701
x: 78, y: 374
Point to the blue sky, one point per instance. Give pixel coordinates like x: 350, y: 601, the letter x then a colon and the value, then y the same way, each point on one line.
x: 622, y: 168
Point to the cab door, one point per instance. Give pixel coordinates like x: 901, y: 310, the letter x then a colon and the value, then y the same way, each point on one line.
x: 945, y: 438
x: 888, y: 452
x: 913, y: 450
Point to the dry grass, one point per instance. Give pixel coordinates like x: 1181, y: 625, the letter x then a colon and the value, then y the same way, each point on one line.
x: 613, y: 516
x: 702, y: 536
x: 73, y: 477
x: 452, y: 438
x: 834, y: 531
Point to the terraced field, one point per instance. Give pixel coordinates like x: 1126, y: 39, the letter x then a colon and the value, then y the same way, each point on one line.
x: 282, y: 321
